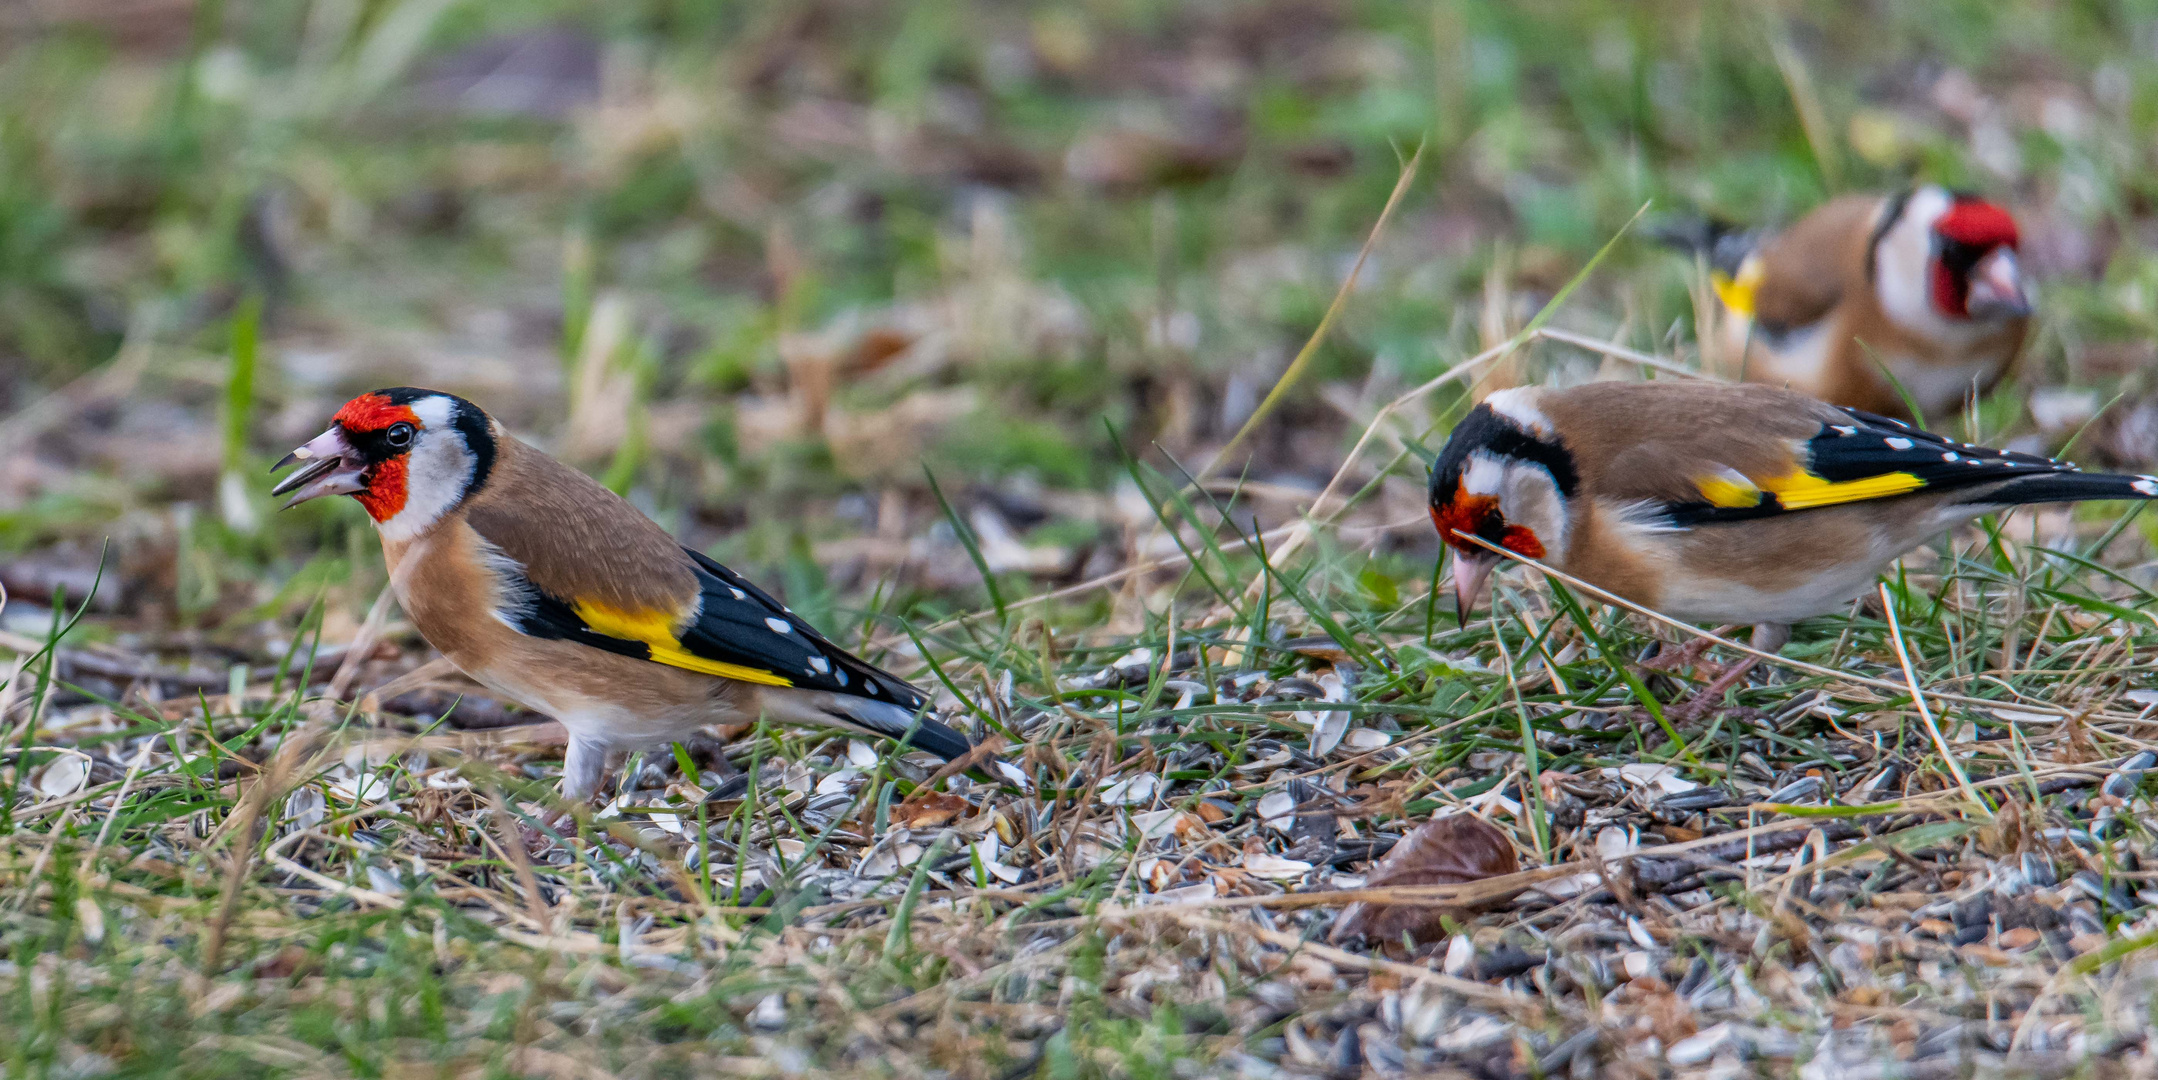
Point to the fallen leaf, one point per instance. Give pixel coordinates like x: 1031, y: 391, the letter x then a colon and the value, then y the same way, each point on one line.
x: 1449, y: 850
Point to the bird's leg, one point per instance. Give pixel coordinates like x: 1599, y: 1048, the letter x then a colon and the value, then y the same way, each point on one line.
x: 1767, y: 637
x: 584, y: 765
x: 1668, y: 658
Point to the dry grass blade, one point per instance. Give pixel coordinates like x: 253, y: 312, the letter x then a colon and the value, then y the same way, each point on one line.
x: 1318, y: 334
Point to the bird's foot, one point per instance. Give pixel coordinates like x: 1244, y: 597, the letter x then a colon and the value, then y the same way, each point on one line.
x: 1671, y: 658
x: 1703, y: 704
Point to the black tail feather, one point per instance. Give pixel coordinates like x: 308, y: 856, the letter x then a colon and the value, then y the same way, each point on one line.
x: 1726, y: 245
x: 2067, y: 487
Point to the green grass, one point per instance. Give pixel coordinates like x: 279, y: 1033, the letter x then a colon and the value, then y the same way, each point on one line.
x: 831, y: 245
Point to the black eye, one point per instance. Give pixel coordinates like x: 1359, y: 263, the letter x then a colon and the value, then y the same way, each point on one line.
x: 399, y: 435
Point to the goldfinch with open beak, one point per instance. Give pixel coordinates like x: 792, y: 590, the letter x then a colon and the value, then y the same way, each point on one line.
x: 1925, y: 284
x: 1719, y: 503
x: 553, y: 592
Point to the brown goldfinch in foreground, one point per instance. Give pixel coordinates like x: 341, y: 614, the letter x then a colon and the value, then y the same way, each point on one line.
x: 1719, y: 503
x: 557, y: 594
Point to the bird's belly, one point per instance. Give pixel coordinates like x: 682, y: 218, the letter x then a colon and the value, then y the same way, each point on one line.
x: 1940, y: 388
x: 1768, y: 570
x: 632, y: 705
x: 1722, y: 600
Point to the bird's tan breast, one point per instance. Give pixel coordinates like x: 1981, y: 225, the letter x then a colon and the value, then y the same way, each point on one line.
x: 1937, y: 374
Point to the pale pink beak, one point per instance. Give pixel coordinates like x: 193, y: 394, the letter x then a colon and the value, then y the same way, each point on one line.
x: 332, y: 467
x: 1997, y: 288
x: 1471, y: 572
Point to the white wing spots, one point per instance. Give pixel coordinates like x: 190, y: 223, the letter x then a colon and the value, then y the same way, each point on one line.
x: 1950, y: 456
x: 779, y: 626
x: 1898, y: 443
x: 820, y: 665
x: 2146, y: 485
x: 738, y: 594
x: 1841, y: 429
x: 1975, y: 461
x: 841, y: 676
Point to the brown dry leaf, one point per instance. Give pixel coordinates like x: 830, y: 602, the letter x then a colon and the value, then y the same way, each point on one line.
x: 1450, y: 850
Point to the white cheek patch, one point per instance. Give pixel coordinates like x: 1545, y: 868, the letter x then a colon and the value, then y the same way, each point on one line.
x: 1531, y: 500
x: 1527, y: 495
x: 438, y: 469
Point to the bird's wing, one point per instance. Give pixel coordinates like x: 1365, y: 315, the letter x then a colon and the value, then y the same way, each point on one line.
x: 640, y: 594
x: 1853, y: 457
x: 1797, y: 277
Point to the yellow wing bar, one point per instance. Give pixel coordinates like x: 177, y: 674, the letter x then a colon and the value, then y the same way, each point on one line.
x: 656, y: 630
x: 1737, y: 293
x: 1801, y: 490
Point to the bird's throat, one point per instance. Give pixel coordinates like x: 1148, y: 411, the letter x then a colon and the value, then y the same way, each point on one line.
x: 384, y: 497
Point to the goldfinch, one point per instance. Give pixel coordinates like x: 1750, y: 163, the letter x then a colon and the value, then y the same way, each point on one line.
x: 1924, y: 284
x: 553, y: 592
x: 1718, y: 503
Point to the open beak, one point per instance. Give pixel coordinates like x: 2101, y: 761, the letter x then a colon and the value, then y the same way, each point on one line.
x: 328, y: 466
x: 1471, y: 572
x: 1997, y: 288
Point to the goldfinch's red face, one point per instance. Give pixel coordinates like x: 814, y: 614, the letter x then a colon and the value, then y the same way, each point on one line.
x: 1973, y: 273
x: 408, y: 456
x: 1504, y: 478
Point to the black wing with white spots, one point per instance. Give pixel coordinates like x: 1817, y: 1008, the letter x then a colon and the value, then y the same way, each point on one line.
x: 736, y: 630
x: 1873, y: 446
x: 739, y: 623
x: 1867, y: 458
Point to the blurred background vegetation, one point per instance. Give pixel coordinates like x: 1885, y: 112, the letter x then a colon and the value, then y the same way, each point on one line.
x: 760, y: 265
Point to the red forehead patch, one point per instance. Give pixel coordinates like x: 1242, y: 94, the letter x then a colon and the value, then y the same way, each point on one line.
x: 373, y: 412
x: 1977, y: 223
